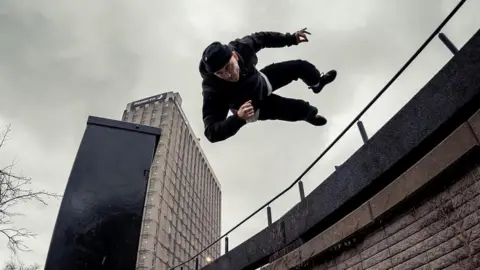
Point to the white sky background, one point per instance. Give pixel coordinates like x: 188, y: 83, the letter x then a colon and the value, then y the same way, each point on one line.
x: 61, y: 61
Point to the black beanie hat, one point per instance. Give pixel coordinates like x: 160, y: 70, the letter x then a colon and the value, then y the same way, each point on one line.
x: 215, y: 56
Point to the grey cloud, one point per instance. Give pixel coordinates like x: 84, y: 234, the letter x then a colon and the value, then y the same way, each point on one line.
x: 60, y: 62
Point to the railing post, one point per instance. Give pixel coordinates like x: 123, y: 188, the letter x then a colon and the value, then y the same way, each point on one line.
x: 226, y: 245
x: 302, y: 191
x: 362, y: 130
x: 269, y: 215
x: 196, y: 263
x: 448, y: 43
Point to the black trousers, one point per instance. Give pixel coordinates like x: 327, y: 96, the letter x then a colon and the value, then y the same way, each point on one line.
x: 275, y: 107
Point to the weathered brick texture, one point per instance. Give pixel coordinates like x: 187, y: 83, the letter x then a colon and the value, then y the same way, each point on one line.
x: 442, y: 232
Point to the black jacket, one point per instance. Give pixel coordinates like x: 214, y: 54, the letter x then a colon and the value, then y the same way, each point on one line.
x: 220, y: 96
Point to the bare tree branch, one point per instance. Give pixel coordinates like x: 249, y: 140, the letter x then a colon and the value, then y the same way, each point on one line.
x: 15, y: 189
x: 4, y: 135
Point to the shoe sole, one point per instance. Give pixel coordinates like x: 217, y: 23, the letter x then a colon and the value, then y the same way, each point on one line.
x: 315, y: 121
x: 320, y: 88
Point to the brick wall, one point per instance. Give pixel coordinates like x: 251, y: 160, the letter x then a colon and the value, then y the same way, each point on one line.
x: 442, y: 232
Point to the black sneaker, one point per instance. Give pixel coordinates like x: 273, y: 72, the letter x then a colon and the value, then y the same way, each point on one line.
x: 315, y: 119
x: 324, y: 80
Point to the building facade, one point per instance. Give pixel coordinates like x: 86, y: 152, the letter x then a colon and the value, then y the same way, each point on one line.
x: 183, y: 202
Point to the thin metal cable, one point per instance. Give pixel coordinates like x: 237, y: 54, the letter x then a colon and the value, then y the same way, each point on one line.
x: 394, y: 78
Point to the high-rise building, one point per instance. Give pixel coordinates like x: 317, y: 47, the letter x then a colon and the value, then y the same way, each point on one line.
x: 182, y: 206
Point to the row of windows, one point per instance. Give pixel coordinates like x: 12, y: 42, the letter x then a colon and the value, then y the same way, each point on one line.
x: 184, y: 219
x: 187, y: 242
x: 166, y: 245
x: 149, y: 114
x: 186, y: 210
x: 191, y: 197
x: 183, y: 139
x: 186, y: 194
x: 179, y: 167
x: 205, y: 183
x: 147, y: 261
x: 183, y: 194
x: 206, y: 187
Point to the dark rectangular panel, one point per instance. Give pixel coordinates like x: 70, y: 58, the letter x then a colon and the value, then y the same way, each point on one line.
x: 99, y: 221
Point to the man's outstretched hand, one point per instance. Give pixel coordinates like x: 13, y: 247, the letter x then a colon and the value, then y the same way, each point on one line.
x: 302, y: 35
x: 246, y: 111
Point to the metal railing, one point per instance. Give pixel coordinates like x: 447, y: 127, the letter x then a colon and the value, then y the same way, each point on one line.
x: 361, y: 128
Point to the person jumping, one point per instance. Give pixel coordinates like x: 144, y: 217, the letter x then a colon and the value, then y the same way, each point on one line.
x: 232, y: 82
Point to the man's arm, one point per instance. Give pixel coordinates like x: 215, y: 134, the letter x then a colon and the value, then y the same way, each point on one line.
x: 217, y: 126
x: 268, y: 39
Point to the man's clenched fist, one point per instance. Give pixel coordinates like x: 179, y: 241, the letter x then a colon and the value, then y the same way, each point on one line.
x: 246, y: 111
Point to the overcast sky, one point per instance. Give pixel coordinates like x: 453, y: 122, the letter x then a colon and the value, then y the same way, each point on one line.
x: 61, y: 61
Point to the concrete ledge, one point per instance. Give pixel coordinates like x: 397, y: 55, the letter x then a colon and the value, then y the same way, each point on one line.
x: 451, y: 149
x: 474, y: 123
x: 458, y: 144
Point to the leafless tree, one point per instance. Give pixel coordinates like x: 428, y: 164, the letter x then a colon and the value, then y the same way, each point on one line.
x: 15, y: 189
x: 18, y: 265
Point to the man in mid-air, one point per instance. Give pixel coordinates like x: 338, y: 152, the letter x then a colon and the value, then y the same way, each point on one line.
x: 232, y: 82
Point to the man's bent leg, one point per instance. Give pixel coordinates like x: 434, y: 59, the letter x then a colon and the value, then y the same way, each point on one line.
x: 288, y: 109
x: 283, y: 73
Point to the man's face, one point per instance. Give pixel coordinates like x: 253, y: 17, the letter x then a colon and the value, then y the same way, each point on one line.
x: 231, y: 71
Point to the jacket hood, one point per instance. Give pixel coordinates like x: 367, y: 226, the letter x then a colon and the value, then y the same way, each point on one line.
x: 203, y: 70
x: 209, y: 79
